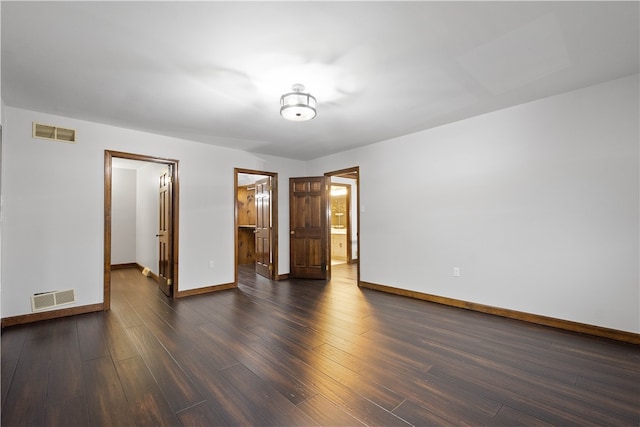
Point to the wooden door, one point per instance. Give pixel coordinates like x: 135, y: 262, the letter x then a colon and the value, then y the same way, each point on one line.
x: 263, y: 227
x: 165, y: 273
x: 308, y: 219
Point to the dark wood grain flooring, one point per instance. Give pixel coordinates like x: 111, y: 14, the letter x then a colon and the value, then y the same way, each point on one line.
x: 300, y: 352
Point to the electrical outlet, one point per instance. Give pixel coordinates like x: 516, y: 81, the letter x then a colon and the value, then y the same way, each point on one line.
x: 456, y: 271
x: 212, y: 264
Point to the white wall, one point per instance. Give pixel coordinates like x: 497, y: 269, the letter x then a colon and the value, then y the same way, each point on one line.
x: 123, y: 216
x: 536, y: 204
x: 148, y: 223
x: 52, y: 233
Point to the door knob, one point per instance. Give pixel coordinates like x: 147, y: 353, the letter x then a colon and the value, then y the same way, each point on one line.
x: 293, y: 232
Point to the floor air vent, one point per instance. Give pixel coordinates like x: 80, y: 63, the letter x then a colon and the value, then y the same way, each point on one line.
x: 52, y: 299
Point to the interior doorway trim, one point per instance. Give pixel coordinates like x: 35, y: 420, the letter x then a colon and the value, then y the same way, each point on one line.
x: 273, y: 206
x: 108, y: 179
x: 352, y: 173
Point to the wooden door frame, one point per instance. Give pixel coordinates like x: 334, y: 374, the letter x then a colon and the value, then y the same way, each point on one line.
x: 355, y: 170
x: 109, y: 155
x: 273, y: 206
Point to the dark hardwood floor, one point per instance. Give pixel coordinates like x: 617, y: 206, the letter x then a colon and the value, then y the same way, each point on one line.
x: 307, y: 353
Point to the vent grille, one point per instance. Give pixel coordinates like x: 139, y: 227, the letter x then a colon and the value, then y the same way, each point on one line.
x: 52, y: 299
x: 54, y: 133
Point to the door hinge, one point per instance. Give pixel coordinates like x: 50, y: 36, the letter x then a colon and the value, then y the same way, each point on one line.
x: 270, y: 267
x: 169, y: 282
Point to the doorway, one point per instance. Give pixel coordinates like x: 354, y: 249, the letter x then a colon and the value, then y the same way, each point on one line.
x: 256, y: 222
x: 344, y: 199
x: 340, y: 223
x: 168, y: 266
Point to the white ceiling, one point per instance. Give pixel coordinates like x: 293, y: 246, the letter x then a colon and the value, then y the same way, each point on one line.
x: 213, y: 72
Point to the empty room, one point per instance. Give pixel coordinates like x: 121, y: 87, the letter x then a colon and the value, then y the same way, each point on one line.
x: 320, y: 213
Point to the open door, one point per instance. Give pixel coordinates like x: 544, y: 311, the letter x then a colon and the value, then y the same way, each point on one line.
x: 263, y: 227
x: 165, y: 274
x: 168, y: 265
x: 256, y: 222
x: 308, y: 219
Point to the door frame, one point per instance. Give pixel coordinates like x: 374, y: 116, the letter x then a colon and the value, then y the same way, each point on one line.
x: 353, y: 173
x: 108, y: 180
x: 273, y: 207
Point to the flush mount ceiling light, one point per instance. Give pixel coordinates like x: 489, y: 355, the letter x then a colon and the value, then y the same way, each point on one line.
x: 297, y: 105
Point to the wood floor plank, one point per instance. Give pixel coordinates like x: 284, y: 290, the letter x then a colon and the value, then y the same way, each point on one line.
x: 263, y: 361
x: 39, y: 342
x: 214, y: 349
x: 260, y: 357
x: 26, y: 400
x: 541, y: 403
x: 106, y: 401
x: 307, y: 352
x: 120, y: 344
x: 511, y: 417
x: 147, y: 402
x: 169, y: 338
x: 340, y: 394
x: 325, y: 413
x: 126, y: 313
x: 7, y: 370
x: 418, y: 415
x: 66, y: 378
x: 449, y: 401
x: 550, y: 389
x: 224, y: 398
x: 421, y: 389
x: 628, y: 395
x: 91, y: 337
x: 201, y: 415
x: 177, y: 387
x: 340, y: 369
x: 13, y: 340
x: 72, y: 412
x: 270, y: 407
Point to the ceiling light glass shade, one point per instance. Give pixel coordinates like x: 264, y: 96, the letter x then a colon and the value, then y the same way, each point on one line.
x: 298, y: 106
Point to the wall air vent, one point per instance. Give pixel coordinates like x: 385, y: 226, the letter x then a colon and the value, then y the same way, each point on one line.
x: 54, y: 133
x: 45, y: 300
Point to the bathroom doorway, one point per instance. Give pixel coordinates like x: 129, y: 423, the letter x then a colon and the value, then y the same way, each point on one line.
x: 344, y: 239
x: 340, y: 223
